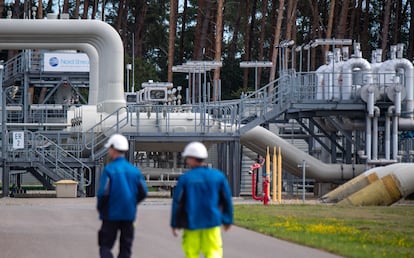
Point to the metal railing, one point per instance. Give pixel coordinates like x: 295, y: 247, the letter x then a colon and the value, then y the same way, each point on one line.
x: 94, y: 138
x: 39, y: 149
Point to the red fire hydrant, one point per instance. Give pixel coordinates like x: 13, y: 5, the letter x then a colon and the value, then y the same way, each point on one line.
x: 253, y: 171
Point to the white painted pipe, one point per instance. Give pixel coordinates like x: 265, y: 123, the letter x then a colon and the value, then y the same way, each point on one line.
x: 370, y: 102
x: 394, y: 137
x: 388, y: 132
x: 107, y: 92
x: 375, y: 134
x: 391, y: 66
x: 347, y: 69
x: 368, y: 138
x: 259, y: 138
x: 397, y: 101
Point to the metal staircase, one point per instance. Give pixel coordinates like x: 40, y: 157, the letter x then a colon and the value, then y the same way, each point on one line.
x: 265, y: 104
x: 47, y: 161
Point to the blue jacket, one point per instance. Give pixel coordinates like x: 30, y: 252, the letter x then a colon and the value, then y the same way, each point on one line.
x: 121, y: 188
x: 201, y: 200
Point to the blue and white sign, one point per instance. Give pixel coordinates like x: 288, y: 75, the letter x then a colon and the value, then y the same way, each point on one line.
x: 18, y: 140
x: 65, y: 62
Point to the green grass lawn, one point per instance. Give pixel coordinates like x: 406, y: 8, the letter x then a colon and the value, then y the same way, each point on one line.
x: 346, y: 231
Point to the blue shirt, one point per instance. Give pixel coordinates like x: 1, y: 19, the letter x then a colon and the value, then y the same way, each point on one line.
x: 201, y: 200
x: 121, y: 188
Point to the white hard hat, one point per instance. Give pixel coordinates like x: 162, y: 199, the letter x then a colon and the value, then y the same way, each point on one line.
x: 195, y: 150
x: 118, y: 142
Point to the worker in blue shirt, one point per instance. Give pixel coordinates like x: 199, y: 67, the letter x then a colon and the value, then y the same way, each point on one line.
x: 202, y: 203
x: 121, y: 188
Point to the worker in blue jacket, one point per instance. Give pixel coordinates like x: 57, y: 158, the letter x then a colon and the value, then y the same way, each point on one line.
x: 202, y: 203
x: 121, y: 188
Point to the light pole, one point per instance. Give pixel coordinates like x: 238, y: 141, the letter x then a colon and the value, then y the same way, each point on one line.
x: 5, y: 174
x: 255, y: 65
x: 128, y: 70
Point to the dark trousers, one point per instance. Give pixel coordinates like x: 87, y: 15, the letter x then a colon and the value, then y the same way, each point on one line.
x: 107, y: 237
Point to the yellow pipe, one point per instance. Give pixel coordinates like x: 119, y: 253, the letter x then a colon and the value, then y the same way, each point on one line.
x: 350, y: 187
x: 267, y: 171
x: 274, y: 175
x: 380, y: 192
x: 279, y: 176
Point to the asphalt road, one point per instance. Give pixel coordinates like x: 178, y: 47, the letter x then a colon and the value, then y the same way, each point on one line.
x: 66, y: 228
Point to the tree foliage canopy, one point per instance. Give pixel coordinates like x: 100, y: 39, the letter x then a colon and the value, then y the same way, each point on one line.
x: 248, y: 31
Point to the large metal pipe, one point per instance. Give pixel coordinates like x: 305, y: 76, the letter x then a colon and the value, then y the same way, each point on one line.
x: 391, y: 66
x: 377, y: 186
x: 106, y: 81
x: 397, y: 183
x: 347, y: 70
x: 259, y: 138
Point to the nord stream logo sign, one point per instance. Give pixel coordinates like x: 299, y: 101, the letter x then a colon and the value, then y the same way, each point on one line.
x: 65, y: 62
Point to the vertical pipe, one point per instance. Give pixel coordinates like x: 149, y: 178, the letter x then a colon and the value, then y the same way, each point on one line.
x: 267, y: 171
x: 375, y: 134
x: 387, y: 134
x: 274, y: 175
x: 303, y: 180
x: 279, y: 176
x: 394, y: 137
x: 199, y: 88
x: 368, y: 138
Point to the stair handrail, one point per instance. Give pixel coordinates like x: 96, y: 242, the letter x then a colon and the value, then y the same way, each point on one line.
x: 55, y: 160
x: 274, y: 97
x: 94, y: 137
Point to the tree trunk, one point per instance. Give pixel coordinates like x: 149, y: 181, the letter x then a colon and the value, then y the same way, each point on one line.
x: 65, y: 6
x: 291, y: 22
x: 316, y: 33
x: 342, y: 32
x: 261, y: 40
x: 183, y: 28
x: 16, y: 9
x: 76, y: 13
x: 94, y: 9
x: 40, y: 10
x: 103, y: 10
x: 235, y: 36
x: 355, y: 20
x: 121, y: 11
x: 364, y: 33
x: 1, y: 8
x: 329, y: 28
x: 140, y: 15
x: 203, y: 18
x: 410, y: 50
x: 246, y: 46
x: 385, y: 27
x: 219, y: 38
x: 276, y: 39
x: 171, y: 38
x: 85, y: 9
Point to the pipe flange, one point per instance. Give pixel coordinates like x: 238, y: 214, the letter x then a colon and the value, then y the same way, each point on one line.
x: 393, y: 89
x: 367, y: 89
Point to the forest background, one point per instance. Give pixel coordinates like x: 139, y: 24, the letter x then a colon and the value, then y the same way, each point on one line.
x: 159, y: 34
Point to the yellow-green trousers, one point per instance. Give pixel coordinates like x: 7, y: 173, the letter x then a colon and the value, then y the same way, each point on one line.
x: 207, y: 241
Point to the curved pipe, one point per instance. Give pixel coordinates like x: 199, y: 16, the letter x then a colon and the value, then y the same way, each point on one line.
x: 347, y: 69
x: 401, y: 63
x: 259, y: 138
x: 377, y: 186
x: 107, y: 91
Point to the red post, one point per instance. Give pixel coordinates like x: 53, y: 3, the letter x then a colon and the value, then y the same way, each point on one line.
x: 265, y: 191
x: 265, y: 196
